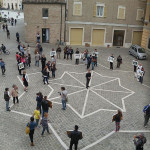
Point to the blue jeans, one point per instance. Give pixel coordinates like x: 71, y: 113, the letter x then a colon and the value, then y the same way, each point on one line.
x: 92, y: 66
x: 37, y: 63
x: 45, y: 80
x: 63, y: 104
x: 53, y: 74
x: 7, y: 105
x: 45, y: 128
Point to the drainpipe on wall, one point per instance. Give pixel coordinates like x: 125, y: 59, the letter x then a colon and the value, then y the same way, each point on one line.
x: 61, y: 26
x: 65, y: 24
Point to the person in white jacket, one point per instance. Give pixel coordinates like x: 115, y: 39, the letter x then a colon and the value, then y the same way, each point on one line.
x: 25, y: 80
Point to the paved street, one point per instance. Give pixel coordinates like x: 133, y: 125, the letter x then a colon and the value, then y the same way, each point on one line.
x: 92, y: 109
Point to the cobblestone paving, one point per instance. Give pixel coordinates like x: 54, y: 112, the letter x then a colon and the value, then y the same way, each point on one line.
x: 91, y: 109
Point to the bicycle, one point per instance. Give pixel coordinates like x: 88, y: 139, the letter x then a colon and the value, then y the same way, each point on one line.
x: 6, y: 51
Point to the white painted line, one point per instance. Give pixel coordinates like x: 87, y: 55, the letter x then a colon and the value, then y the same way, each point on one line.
x: 57, y: 136
x: 70, y: 64
x: 98, y: 111
x: 103, y: 66
x: 85, y: 102
x: 77, y: 72
x: 58, y: 78
x: 105, y: 82
x: 98, y: 141
x: 76, y: 79
x: 91, y: 78
x: 20, y: 81
x: 68, y: 85
x: 74, y: 111
x: 52, y: 90
x: 146, y: 86
x: 56, y: 102
x: 34, y: 73
x: 104, y: 76
x: 18, y: 98
x: 110, y: 90
x: 21, y: 113
x: 132, y: 131
x: 54, y: 98
x: 76, y: 92
x: 108, y: 101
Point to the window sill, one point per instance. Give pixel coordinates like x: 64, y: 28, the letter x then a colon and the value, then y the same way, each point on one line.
x: 45, y: 17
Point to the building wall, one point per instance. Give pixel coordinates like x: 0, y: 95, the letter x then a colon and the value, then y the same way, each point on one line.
x: 34, y: 22
x: 110, y: 22
x: 146, y: 30
x: 17, y: 4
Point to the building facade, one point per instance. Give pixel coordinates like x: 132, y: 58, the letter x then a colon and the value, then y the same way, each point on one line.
x: 12, y: 4
x: 1, y: 3
x: 46, y: 17
x: 146, y: 29
x: 105, y: 23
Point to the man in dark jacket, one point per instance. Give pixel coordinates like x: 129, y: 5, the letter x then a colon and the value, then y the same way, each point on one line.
x: 45, y: 106
x: 146, y: 111
x: 2, y: 64
x: 6, y: 98
x: 75, y: 137
x: 39, y: 100
x: 139, y: 143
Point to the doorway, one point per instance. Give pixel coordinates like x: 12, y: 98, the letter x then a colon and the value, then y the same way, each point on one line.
x: 118, y: 38
x: 45, y: 35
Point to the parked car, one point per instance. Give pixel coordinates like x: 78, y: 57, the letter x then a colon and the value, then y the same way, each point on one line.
x: 137, y: 52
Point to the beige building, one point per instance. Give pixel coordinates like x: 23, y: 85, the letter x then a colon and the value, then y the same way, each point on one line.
x: 46, y: 17
x: 146, y: 28
x: 105, y: 22
x: 12, y: 4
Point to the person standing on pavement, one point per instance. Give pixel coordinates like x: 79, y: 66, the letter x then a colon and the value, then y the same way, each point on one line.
x: 36, y: 114
x: 111, y: 60
x: 146, y: 111
x: 45, y: 106
x: 89, y: 60
x: 58, y: 51
x: 39, y: 99
x: 43, y: 61
x: 117, y: 118
x: 71, y: 52
x: 32, y: 126
x: 2, y: 64
x: 45, y: 75
x: 44, y: 123
x: 17, y: 36
x: 119, y: 61
x: 15, y: 22
x: 77, y: 60
x: 40, y: 51
x: 88, y: 78
x: 14, y: 93
x: 139, y: 143
x: 38, y: 37
x: 8, y: 34
x: 75, y: 137
x: 7, y: 98
x: 25, y: 81
x: 63, y: 95
x: 37, y: 59
x: 29, y: 59
x: 53, y: 69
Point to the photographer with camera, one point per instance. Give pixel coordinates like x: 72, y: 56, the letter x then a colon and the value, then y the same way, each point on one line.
x: 64, y: 97
x: 139, y: 143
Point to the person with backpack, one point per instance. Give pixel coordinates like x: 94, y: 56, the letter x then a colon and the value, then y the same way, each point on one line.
x: 146, y: 111
x: 32, y: 126
x: 117, y: 118
x: 7, y: 98
x: 75, y: 137
x: 139, y: 143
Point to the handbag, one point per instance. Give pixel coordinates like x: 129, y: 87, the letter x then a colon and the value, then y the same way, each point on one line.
x: 28, y: 128
x: 66, y: 98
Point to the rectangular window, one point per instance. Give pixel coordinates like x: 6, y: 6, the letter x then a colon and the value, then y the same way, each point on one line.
x: 100, y: 11
x: 140, y: 14
x: 121, y: 12
x: 77, y: 8
x: 45, y: 12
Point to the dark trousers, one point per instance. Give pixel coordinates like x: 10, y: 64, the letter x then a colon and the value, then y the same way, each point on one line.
x: 3, y: 70
x: 88, y: 65
x: 64, y: 55
x: 20, y: 71
x: 18, y: 39
x: 111, y: 65
x: 141, y: 79
x: 43, y: 66
x: 71, y: 56
x: 67, y: 56
x: 53, y: 74
x: 45, y: 79
x: 15, y: 98
x: 39, y: 105
x: 135, y: 68
x: 146, y: 119
x: 87, y: 83
x: 118, y: 64
x: 75, y: 144
x: 77, y: 61
x: 31, y: 135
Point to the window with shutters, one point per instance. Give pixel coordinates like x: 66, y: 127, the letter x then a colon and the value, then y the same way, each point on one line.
x: 140, y: 14
x: 99, y: 10
x: 77, y: 8
x: 121, y: 12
